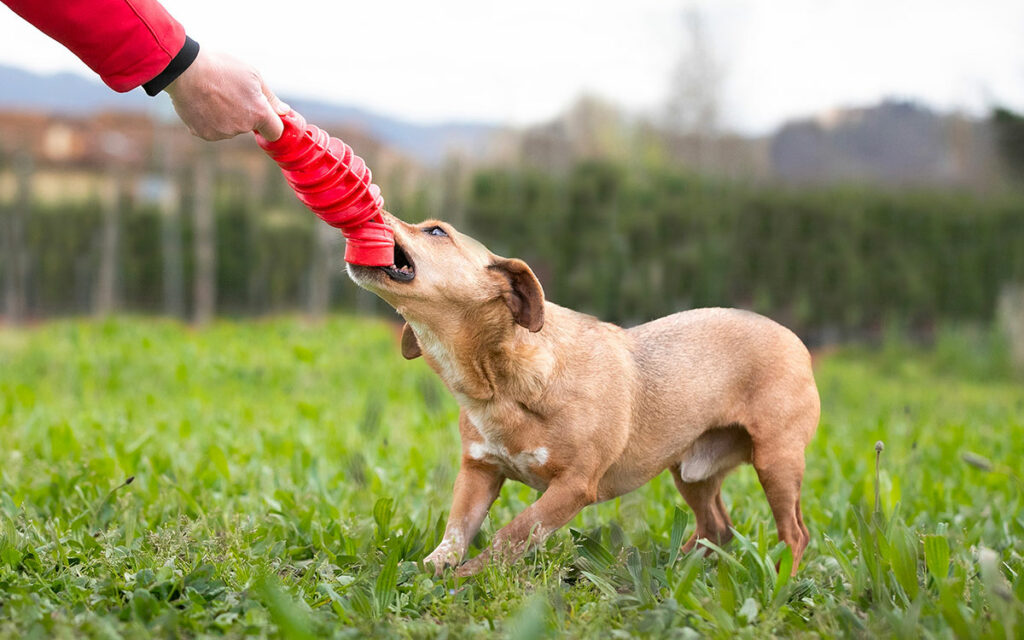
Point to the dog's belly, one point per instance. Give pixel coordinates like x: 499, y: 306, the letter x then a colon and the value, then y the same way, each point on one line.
x: 712, y: 451
x: 624, y: 476
x: 613, y: 485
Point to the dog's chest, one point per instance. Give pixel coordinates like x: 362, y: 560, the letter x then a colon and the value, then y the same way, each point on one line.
x: 440, y: 357
x: 524, y: 464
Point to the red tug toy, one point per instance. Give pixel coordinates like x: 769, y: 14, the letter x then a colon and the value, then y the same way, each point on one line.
x: 335, y: 184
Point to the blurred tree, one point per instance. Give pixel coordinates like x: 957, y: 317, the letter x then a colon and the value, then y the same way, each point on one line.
x: 596, y: 130
x: 626, y: 242
x: 325, y: 245
x: 1010, y: 135
x: 12, y: 226
x: 171, y: 250
x: 453, y: 189
x: 1010, y: 316
x: 591, y: 129
x: 167, y: 161
x: 693, y: 109
x: 260, y: 194
x: 205, y: 274
x: 105, y: 296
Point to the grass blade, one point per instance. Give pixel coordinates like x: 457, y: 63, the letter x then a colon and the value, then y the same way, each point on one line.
x: 384, y: 589
x: 676, y: 538
x: 593, y: 551
x: 936, y: 556
x: 292, y: 621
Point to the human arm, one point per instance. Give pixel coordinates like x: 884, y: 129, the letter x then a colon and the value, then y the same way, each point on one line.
x: 132, y: 43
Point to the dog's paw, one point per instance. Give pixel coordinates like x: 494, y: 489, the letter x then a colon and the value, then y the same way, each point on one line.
x: 474, y: 566
x: 441, y: 558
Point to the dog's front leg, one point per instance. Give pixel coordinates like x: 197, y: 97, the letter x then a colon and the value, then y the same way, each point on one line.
x: 559, y: 504
x: 476, y: 488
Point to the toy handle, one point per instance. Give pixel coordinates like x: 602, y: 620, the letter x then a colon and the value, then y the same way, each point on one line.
x: 335, y: 184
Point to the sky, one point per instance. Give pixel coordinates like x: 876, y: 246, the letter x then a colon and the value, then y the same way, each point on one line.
x: 524, y: 62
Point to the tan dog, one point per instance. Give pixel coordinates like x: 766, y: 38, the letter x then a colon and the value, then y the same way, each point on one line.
x: 586, y: 411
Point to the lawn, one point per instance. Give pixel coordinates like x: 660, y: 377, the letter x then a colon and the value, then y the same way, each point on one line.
x: 278, y: 478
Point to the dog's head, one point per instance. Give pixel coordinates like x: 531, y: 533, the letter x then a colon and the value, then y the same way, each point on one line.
x: 441, y: 276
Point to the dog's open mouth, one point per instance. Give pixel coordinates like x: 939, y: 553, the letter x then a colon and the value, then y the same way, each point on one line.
x: 403, y: 270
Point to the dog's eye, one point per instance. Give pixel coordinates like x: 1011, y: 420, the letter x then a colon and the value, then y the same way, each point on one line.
x: 435, y: 231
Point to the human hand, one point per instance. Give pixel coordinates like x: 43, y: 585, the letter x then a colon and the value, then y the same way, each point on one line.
x: 219, y: 97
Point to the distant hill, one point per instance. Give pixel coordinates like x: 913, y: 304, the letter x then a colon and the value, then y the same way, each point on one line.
x: 71, y: 94
x: 64, y: 93
x: 894, y: 142
x: 427, y: 143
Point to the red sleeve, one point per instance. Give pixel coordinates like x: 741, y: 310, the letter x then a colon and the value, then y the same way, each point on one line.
x: 127, y: 42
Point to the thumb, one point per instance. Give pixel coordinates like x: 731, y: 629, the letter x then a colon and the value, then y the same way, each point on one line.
x: 280, y: 107
x: 270, y: 125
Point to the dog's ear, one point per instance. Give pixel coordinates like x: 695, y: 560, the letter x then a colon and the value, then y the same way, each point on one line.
x: 410, y: 345
x: 522, y: 293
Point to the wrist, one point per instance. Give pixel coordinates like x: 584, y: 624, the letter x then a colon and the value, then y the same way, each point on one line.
x: 177, y: 66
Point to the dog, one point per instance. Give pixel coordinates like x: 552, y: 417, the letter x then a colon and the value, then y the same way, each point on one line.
x: 585, y: 411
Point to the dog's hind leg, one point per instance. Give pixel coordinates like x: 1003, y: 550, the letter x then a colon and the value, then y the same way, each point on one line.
x: 699, y: 476
x: 705, y: 499
x: 781, y: 471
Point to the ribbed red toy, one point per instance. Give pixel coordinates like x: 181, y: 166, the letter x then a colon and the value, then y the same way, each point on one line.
x: 336, y: 184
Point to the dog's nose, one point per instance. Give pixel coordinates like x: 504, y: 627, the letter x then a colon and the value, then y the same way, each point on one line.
x: 397, y: 225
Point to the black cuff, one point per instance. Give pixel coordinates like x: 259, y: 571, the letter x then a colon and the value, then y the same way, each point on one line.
x: 177, y: 66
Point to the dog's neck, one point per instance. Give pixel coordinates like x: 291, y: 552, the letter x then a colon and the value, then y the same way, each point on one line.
x: 485, y: 364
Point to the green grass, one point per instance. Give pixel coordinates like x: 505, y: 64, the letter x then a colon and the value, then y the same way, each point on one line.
x: 288, y: 478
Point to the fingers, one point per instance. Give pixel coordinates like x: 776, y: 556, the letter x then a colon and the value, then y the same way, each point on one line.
x: 219, y: 97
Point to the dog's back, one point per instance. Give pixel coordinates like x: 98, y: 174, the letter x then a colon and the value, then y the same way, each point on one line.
x: 710, y: 369
x: 720, y: 367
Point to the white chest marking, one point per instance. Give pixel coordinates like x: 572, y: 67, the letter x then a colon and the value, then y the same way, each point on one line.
x: 479, y: 415
x: 522, y: 462
x: 439, y: 354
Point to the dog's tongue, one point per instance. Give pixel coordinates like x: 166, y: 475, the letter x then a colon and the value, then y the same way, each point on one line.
x: 336, y: 184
